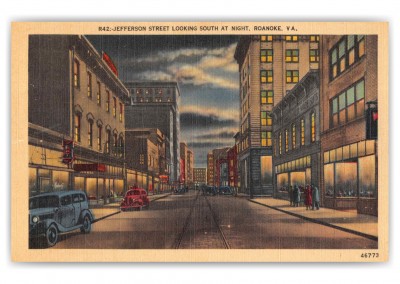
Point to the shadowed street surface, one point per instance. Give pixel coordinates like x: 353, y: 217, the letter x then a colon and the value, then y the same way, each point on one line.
x: 194, y: 221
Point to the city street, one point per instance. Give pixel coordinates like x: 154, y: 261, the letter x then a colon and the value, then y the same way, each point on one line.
x: 194, y: 221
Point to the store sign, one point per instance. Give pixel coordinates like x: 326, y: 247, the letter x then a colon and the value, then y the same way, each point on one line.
x: 90, y: 167
x: 68, y: 151
x: 110, y: 63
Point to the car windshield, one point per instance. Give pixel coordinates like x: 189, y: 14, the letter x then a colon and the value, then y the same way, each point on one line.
x: 44, y: 202
x: 134, y: 192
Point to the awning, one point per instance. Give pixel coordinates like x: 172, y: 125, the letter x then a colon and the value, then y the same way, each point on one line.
x: 90, y: 167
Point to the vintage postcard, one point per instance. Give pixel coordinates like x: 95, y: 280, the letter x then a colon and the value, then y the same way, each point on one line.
x: 199, y: 142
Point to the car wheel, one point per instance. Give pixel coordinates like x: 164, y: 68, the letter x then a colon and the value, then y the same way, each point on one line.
x: 51, y: 235
x: 86, y: 225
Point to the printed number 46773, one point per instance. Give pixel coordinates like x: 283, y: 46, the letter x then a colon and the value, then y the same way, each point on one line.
x: 370, y: 255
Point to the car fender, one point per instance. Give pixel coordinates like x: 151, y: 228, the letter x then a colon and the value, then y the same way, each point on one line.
x: 84, y: 213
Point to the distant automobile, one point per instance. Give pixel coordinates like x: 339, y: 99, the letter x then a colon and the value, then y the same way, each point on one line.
x: 58, y: 212
x: 225, y: 190
x: 135, y: 199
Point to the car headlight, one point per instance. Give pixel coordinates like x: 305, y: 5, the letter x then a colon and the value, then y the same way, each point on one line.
x: 35, y: 219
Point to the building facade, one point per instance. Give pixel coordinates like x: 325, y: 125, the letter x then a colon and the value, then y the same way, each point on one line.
x: 210, y: 169
x: 156, y: 105
x: 296, y: 137
x: 348, y: 84
x: 269, y: 67
x: 76, y: 118
x: 199, y: 176
x: 221, y: 174
x: 147, y: 166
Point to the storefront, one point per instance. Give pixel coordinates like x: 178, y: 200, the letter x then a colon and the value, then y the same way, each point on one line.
x: 295, y: 172
x: 350, y: 177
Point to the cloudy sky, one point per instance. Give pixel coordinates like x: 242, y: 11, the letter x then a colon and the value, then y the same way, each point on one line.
x: 207, y: 75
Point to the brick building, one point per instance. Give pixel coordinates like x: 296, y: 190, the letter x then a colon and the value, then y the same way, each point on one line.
x: 348, y: 82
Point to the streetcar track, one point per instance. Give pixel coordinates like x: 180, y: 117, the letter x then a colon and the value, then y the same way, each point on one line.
x: 178, y: 241
x: 224, y: 240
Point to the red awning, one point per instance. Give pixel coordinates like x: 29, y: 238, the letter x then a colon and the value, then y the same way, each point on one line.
x: 90, y: 167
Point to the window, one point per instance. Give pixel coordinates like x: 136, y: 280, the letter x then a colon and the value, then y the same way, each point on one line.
x: 121, y: 111
x: 89, y: 85
x: 141, y: 159
x: 286, y: 140
x: 90, y: 133
x: 121, y: 146
x: 267, y: 76
x: 302, y: 133
x: 266, y: 138
x: 313, y: 127
x: 280, y: 143
x: 76, y: 74
x: 77, y: 126
x: 267, y: 97
x: 348, y: 105
x: 108, y: 101
x: 98, y: 93
x: 292, y: 55
x: 314, y: 38
x: 267, y: 38
x: 115, y: 107
x: 267, y: 55
x: 266, y: 119
x: 293, y: 136
x: 291, y: 38
x: 115, y: 144
x: 314, y: 55
x: 292, y: 76
x: 100, y: 130
x: 345, y: 53
x: 108, y: 141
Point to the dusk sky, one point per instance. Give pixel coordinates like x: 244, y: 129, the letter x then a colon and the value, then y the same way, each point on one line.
x: 207, y: 74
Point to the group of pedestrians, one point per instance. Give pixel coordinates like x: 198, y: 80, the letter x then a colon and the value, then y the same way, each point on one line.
x: 311, y: 196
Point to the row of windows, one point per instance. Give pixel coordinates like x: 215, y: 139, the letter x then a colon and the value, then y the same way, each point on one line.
x: 290, y: 38
x: 267, y: 76
x: 89, y: 89
x: 297, y: 164
x: 345, y: 53
x: 150, y: 100
x: 151, y: 91
x: 348, y: 105
x: 294, y: 135
x: 118, y: 140
x: 291, y: 55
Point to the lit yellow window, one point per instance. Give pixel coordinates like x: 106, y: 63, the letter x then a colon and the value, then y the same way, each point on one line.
x: 266, y: 55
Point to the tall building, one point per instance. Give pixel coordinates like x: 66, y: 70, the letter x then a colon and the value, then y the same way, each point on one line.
x: 156, y: 105
x: 349, y: 84
x: 76, y: 118
x: 199, y: 176
x: 221, y: 175
x: 187, y: 162
x: 210, y: 169
x: 269, y: 67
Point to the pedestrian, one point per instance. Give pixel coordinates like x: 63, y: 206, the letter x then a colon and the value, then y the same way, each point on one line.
x: 308, y: 197
x: 296, y: 196
x: 315, y: 198
x: 291, y: 195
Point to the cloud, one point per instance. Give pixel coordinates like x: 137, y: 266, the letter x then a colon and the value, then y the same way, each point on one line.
x: 207, y: 145
x: 197, y: 66
x: 191, y: 120
x: 218, y: 135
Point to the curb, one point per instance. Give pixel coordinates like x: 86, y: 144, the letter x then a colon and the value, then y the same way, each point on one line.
x: 104, y: 217
x: 119, y: 211
x: 364, y: 235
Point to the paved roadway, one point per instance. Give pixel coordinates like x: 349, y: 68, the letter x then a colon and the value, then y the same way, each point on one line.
x: 190, y: 221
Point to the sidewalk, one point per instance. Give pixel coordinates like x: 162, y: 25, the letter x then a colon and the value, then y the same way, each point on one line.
x: 105, y: 211
x: 351, y: 222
